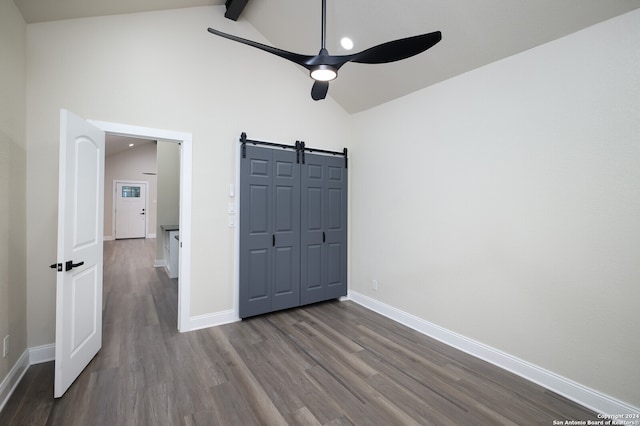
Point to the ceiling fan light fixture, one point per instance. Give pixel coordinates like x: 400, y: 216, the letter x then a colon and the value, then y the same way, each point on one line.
x: 323, y: 73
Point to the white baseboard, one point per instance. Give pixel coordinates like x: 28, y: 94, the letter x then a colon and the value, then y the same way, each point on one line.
x: 40, y: 354
x: 111, y: 238
x: 159, y: 263
x: 590, y: 398
x: 12, y: 379
x: 212, y: 320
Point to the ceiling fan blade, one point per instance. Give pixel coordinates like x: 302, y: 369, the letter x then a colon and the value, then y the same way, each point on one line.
x: 293, y: 57
x: 319, y: 90
x: 398, y: 49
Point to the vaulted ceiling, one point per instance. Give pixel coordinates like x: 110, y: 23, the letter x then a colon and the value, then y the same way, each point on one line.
x: 475, y: 32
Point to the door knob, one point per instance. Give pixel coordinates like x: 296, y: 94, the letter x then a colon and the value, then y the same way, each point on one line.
x: 69, y: 265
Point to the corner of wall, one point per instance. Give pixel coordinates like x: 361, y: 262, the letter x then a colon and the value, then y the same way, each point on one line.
x: 13, y: 181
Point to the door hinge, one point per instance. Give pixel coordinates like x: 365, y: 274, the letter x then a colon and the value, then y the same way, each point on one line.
x: 243, y: 140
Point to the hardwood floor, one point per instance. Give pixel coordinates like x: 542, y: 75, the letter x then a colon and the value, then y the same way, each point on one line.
x: 328, y: 364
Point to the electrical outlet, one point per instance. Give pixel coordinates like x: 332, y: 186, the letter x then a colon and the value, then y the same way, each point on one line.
x: 5, y: 346
x: 374, y: 285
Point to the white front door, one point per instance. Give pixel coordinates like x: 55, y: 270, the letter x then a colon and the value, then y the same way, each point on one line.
x: 80, y: 234
x: 131, y: 210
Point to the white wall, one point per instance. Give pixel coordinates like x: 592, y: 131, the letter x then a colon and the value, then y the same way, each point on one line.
x: 13, y: 302
x: 131, y: 165
x: 162, y: 70
x: 168, y: 161
x: 504, y: 205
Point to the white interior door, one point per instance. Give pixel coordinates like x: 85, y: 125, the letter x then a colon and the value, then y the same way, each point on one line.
x: 80, y: 234
x: 131, y: 210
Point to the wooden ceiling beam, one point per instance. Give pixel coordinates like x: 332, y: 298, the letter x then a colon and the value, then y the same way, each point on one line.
x: 234, y: 8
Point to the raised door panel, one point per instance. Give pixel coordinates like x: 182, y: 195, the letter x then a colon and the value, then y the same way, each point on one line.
x: 259, y: 269
x: 259, y: 212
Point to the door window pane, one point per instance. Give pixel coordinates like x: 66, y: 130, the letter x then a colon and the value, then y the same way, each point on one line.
x: 130, y: 192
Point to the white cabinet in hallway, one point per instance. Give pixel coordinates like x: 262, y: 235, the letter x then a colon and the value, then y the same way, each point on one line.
x: 171, y: 246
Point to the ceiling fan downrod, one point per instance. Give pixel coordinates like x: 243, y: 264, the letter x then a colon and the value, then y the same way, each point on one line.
x: 324, y: 25
x: 323, y: 72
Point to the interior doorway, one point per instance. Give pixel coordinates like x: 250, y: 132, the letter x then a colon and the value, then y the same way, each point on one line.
x: 132, y: 162
x: 184, y: 143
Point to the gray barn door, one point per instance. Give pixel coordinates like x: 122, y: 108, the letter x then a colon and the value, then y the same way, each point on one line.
x: 323, y: 229
x: 269, y: 231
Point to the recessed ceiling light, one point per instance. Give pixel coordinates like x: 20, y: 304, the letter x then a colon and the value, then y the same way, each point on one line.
x: 346, y: 43
x: 130, y: 145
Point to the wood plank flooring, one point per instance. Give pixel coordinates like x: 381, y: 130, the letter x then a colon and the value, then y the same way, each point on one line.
x: 333, y: 363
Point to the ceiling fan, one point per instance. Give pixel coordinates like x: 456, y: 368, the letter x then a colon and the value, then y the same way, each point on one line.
x: 324, y: 67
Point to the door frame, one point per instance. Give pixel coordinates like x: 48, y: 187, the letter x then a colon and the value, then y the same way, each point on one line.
x: 185, y: 140
x: 146, y: 204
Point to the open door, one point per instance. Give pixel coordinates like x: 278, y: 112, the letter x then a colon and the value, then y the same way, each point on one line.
x: 80, y: 236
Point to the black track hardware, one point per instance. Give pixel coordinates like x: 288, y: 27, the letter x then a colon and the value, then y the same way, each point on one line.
x: 300, y: 148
